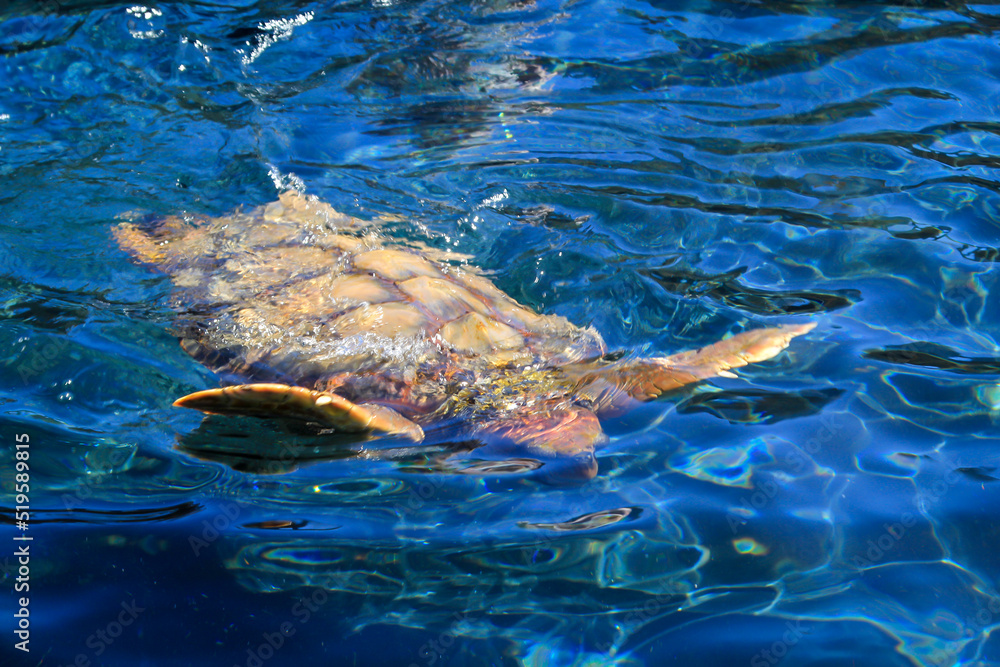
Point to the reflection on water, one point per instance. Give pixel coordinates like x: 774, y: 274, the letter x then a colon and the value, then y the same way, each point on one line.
x: 665, y: 172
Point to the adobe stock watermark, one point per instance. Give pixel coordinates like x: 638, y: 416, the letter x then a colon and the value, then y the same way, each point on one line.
x: 436, y: 649
x: 800, y: 459
x: 831, y: 426
x: 637, y: 618
x: 212, y: 529
x: 104, y: 637
x: 286, y: 460
x: 885, y: 542
x: 763, y: 492
x: 226, y: 514
x: 710, y: 29
x: 780, y: 648
x: 33, y: 22
x: 272, y: 642
x: 22, y: 518
x: 877, y: 549
x: 41, y: 358
x: 422, y: 493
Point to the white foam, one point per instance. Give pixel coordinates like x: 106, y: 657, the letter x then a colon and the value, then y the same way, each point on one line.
x: 279, y: 29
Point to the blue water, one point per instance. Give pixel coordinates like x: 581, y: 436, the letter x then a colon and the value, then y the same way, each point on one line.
x: 666, y: 172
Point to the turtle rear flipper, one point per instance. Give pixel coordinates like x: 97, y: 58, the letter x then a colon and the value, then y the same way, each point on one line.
x: 562, y: 436
x: 281, y: 400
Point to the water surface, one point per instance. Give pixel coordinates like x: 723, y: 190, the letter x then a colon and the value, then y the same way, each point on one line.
x: 669, y: 173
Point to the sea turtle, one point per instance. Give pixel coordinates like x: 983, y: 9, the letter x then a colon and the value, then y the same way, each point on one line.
x: 322, y: 319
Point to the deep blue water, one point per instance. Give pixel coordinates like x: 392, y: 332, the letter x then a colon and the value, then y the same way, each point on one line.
x: 666, y: 172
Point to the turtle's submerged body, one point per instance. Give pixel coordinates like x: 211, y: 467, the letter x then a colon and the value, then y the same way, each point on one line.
x: 322, y: 320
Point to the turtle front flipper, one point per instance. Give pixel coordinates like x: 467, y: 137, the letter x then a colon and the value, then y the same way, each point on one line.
x: 284, y: 401
x: 612, y: 387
